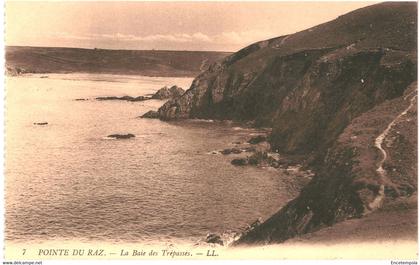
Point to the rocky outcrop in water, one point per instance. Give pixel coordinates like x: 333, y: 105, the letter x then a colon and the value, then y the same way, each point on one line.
x: 163, y: 93
x: 233, y: 150
x: 121, y: 136
x: 125, y: 98
x: 167, y: 93
x: 315, y: 89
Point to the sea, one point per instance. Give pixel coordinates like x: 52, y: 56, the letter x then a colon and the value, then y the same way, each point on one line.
x: 68, y: 181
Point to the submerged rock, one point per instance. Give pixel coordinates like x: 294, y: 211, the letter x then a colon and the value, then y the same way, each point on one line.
x: 151, y: 115
x: 121, y: 136
x: 165, y: 92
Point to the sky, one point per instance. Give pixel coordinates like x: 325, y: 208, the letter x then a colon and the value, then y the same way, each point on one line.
x: 217, y: 26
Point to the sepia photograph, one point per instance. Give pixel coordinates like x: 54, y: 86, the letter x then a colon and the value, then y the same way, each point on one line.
x: 210, y: 130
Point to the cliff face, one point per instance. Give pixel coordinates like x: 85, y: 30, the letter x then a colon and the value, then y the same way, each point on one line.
x: 329, y: 91
x: 309, y: 85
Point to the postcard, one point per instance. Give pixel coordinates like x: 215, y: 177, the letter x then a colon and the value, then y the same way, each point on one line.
x: 210, y: 131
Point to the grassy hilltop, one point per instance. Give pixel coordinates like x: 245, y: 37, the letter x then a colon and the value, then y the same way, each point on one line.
x: 135, y: 62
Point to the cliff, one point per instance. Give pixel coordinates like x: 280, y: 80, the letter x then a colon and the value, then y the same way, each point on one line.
x: 328, y: 92
x: 347, y: 184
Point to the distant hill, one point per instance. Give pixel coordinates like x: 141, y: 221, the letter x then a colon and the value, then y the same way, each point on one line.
x: 140, y: 62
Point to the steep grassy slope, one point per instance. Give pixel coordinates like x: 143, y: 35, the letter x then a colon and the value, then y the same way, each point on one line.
x: 152, y: 63
x: 328, y: 93
x: 347, y: 184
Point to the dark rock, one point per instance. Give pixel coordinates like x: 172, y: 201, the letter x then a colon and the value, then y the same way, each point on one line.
x: 139, y: 98
x: 231, y: 151
x: 226, y: 152
x: 166, y: 93
x: 214, y: 239
x: 239, y: 162
x: 108, y: 98
x: 151, y: 115
x: 40, y: 123
x: 257, y: 139
x: 121, y: 136
x: 128, y: 98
